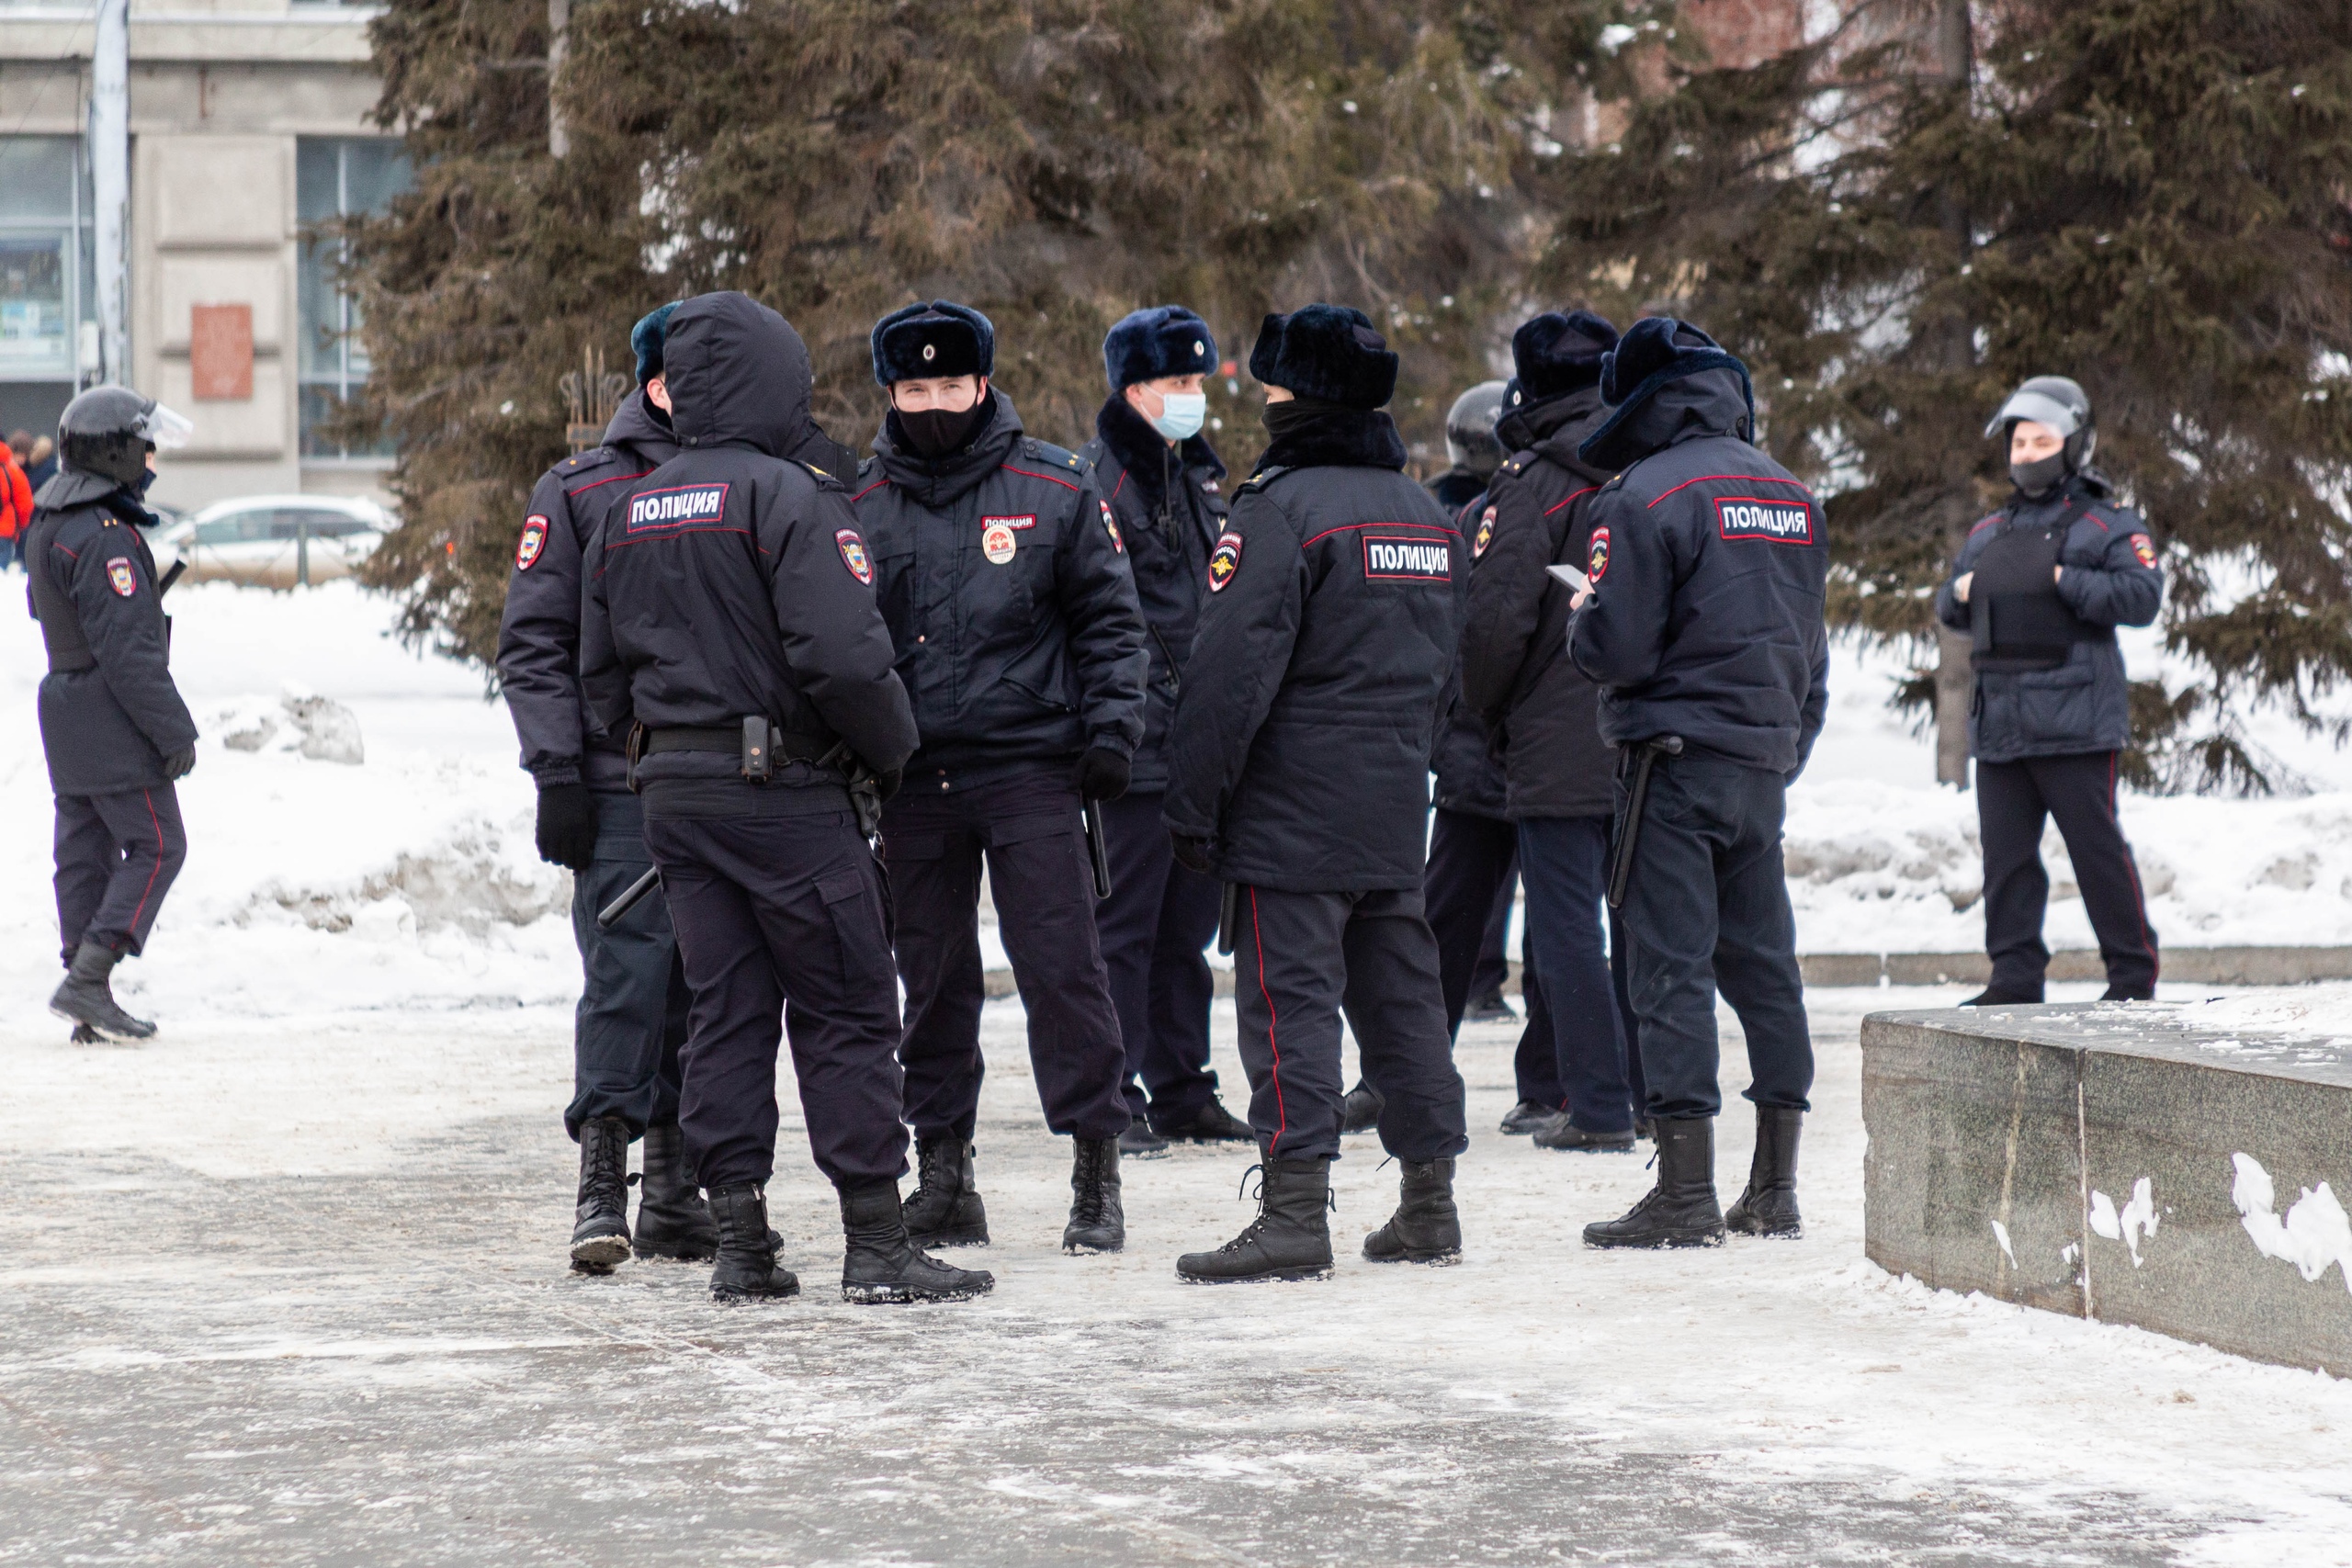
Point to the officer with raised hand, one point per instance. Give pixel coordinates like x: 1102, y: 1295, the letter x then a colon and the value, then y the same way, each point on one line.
x: 1301, y: 775
x: 1702, y: 626
x: 1003, y: 578
x: 1161, y: 476
x: 2040, y: 586
x: 729, y: 632
x: 113, y: 728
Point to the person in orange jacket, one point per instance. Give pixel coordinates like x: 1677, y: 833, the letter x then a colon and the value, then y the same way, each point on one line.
x: 16, y: 504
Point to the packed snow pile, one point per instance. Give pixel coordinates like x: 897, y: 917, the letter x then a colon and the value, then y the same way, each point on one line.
x: 2311, y: 1012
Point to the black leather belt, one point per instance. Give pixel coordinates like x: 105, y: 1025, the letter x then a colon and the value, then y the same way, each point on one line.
x: 786, y: 747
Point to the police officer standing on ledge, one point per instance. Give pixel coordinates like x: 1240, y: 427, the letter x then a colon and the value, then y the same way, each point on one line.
x: 2040, y: 586
x: 113, y: 728
x: 1301, y: 777
x: 1003, y: 578
x: 1702, y: 626
x: 1159, y: 475
x: 729, y: 631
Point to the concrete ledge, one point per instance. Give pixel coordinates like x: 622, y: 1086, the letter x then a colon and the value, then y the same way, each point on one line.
x: 2105, y: 1162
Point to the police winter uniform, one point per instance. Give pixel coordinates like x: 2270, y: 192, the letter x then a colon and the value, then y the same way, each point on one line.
x: 1003, y: 576
x: 1705, y: 627
x: 1542, y: 715
x: 731, y: 601
x: 1169, y: 504
x: 631, y: 1020
x: 113, y: 729
x: 1300, y: 772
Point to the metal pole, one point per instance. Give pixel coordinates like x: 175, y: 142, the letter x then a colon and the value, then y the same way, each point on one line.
x: 110, y: 183
x: 302, y: 548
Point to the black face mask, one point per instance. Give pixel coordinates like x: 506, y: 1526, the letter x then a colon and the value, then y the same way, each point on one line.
x: 2039, y: 477
x: 1298, y: 414
x: 932, y: 433
x: 145, y: 482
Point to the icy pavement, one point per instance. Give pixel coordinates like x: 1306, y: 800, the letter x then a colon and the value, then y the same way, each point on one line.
x: 291, y: 1292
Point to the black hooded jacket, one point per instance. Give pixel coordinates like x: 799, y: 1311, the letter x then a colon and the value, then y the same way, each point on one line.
x: 538, y: 638
x: 1169, y: 505
x: 1302, y: 741
x: 733, y: 582
x: 1709, y: 569
x: 1516, y: 675
x: 110, y: 711
x: 1469, y: 770
x: 1004, y: 581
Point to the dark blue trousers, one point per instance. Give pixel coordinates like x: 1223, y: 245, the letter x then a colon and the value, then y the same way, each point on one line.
x: 1155, y: 927
x: 781, y: 927
x: 1708, y: 906
x: 631, y: 1020
x: 117, y: 855
x: 1564, y: 862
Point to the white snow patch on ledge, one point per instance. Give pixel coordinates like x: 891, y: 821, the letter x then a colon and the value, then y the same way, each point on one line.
x: 2315, y: 1233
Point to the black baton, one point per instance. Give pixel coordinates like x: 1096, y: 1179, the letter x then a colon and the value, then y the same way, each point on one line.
x: 1096, y: 850
x: 1629, y: 832
x: 169, y: 578
x: 1225, y: 919
x: 613, y: 913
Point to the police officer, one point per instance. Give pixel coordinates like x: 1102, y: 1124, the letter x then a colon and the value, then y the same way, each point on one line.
x: 2040, y: 586
x: 1160, y: 477
x: 1703, y: 630
x: 1301, y: 776
x: 1543, y: 716
x: 113, y: 728
x: 729, y: 632
x: 1003, y: 577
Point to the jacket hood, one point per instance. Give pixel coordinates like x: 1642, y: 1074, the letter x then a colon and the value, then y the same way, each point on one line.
x: 1670, y: 382
x: 945, y: 481
x: 738, y: 374
x: 1143, y: 451
x: 1555, y: 427
x: 1339, y: 438
x: 636, y: 424
x: 73, y: 487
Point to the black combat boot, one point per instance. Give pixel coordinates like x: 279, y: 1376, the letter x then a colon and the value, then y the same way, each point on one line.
x: 600, y: 1223
x: 1291, y: 1237
x: 946, y: 1210
x: 746, y: 1269
x: 672, y: 1221
x: 1991, y: 996
x: 1096, y: 1222
x: 1528, y: 1116
x: 1769, y: 1207
x: 1562, y: 1133
x: 2129, y: 994
x: 86, y: 997
x: 1360, y: 1113
x: 881, y: 1264
x: 1140, y: 1141
x: 1213, y: 1123
x: 1426, y: 1228
x: 1680, y: 1211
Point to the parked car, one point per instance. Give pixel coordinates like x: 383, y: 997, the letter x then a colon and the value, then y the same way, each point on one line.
x: 264, y: 540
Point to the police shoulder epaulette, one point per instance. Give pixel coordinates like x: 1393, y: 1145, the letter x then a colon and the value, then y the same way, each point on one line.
x: 1516, y: 464
x: 581, y: 462
x: 1046, y: 452
x: 821, y: 477
x: 1261, y: 479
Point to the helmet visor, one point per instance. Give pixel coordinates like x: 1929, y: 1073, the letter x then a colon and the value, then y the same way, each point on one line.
x: 2038, y: 407
x: 167, y: 428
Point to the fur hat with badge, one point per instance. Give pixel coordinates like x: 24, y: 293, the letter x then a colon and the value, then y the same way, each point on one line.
x: 1553, y: 355
x: 648, y: 339
x: 918, y: 342
x: 1655, y: 353
x: 1157, y: 341
x: 1329, y: 353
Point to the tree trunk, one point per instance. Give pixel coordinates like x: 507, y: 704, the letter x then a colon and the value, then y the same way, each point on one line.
x: 559, y: 24
x: 1955, y: 681
x: 1955, y: 685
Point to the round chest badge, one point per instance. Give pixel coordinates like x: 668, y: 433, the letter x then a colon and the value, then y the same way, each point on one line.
x: 1598, y: 562
x: 999, y: 542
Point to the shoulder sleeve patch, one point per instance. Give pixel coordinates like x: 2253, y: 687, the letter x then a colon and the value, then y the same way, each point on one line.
x: 2145, y: 548
x: 1224, y: 560
x: 121, y: 576
x: 1596, y: 566
x: 1110, y: 526
x: 1485, y: 536
x: 853, y: 555
x: 533, y: 541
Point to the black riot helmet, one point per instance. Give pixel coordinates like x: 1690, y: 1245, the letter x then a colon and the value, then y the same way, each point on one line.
x: 108, y: 431
x: 2060, y: 403
x: 1470, y: 440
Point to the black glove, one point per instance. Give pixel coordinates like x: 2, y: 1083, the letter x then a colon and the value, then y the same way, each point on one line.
x: 567, y: 829
x: 1193, y: 854
x: 1103, y: 775
x: 180, y: 763
x: 887, y: 783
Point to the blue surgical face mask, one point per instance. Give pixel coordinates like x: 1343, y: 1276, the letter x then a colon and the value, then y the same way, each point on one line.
x: 1182, y: 414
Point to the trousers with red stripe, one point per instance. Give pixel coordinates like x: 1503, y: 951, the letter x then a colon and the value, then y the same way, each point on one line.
x: 2013, y: 801
x: 116, y: 856
x: 1300, y: 960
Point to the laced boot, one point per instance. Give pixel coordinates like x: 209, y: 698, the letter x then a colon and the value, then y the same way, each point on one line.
x: 1140, y: 1141
x: 1360, y: 1113
x: 946, y: 1210
x: 746, y: 1269
x: 1528, y: 1116
x: 1769, y: 1207
x: 1426, y: 1228
x: 1680, y: 1211
x: 1097, y: 1224
x: 882, y: 1263
x: 1291, y: 1237
x: 672, y: 1221
x: 1213, y: 1125
x: 1561, y: 1133
x: 86, y: 997
x: 600, y: 1222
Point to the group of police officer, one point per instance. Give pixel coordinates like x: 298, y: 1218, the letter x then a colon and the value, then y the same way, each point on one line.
x: 818, y: 697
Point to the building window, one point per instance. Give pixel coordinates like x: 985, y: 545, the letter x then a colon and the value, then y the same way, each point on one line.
x: 47, y: 252
x: 336, y: 177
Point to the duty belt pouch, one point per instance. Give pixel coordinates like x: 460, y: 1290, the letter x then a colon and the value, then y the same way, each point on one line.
x: 759, y: 759
x: 632, y: 749
x: 2016, y: 619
